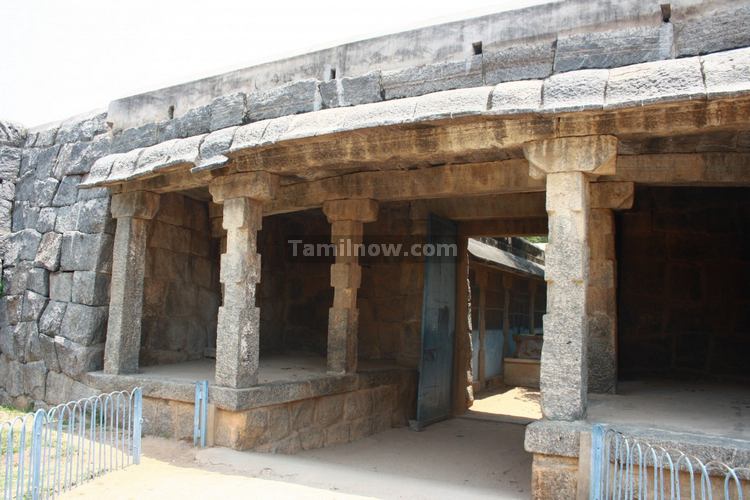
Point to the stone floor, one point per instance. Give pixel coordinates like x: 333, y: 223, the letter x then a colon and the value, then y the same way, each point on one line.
x: 456, y: 458
x: 518, y: 405
x: 277, y: 368
x: 713, y: 409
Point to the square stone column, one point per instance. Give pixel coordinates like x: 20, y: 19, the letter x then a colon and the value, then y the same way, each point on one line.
x: 347, y: 218
x: 568, y: 164
x: 602, y: 290
x: 132, y: 211
x: 238, y: 326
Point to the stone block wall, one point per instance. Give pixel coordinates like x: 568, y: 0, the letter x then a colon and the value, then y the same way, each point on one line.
x: 294, y: 294
x: 57, y: 251
x: 390, y: 298
x: 182, y: 292
x: 684, y: 269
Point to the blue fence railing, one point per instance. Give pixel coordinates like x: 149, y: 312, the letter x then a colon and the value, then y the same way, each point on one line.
x: 200, y: 419
x: 627, y: 467
x: 48, y: 452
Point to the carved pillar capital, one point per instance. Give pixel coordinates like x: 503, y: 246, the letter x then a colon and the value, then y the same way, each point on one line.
x: 593, y: 155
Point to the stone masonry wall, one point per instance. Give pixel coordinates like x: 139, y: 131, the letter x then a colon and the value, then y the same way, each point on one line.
x: 181, y: 286
x: 390, y: 298
x: 56, y: 259
x: 684, y: 268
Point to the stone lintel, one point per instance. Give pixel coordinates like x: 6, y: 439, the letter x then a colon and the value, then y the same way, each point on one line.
x: 137, y: 204
x: 612, y: 195
x: 362, y: 210
x: 593, y: 154
x: 259, y: 186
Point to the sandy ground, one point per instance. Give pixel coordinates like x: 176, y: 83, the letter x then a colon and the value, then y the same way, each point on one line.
x: 457, y: 458
x: 519, y: 405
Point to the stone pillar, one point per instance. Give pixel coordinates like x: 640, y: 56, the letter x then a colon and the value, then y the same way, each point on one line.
x: 132, y: 211
x: 238, y: 326
x: 347, y: 218
x: 568, y: 164
x: 602, y: 293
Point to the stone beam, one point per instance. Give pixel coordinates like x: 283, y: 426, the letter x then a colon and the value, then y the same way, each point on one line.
x: 612, y: 195
x: 529, y: 226
x: 347, y: 218
x: 132, y: 212
x: 568, y: 165
x: 684, y: 169
x: 436, y: 182
x: 514, y: 205
x: 238, y: 326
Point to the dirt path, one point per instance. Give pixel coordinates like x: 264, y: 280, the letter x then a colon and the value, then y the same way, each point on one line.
x: 456, y: 458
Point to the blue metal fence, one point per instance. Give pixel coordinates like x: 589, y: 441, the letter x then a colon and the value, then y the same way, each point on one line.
x: 626, y: 467
x: 200, y: 419
x: 47, y: 452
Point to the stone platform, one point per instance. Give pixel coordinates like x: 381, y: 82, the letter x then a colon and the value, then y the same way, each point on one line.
x: 295, y: 406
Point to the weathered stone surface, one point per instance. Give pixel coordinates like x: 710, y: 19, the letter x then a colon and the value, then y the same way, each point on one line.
x: 518, y: 62
x: 575, y: 91
x: 22, y: 245
x: 214, y: 147
x: 551, y: 437
x: 517, y: 97
x: 663, y: 81
x: 67, y: 191
x: 90, y: 288
x: 554, y: 478
x: 33, y: 305
x: 83, y: 324
x: 126, y: 303
x: 78, y: 157
x: 351, y: 91
x: 48, y: 253
x: 727, y: 73
x: 7, y: 190
x: 290, y: 99
x: 37, y: 280
x: 76, y: 359
x: 86, y: 252
x: 26, y: 339
x: 12, y: 134
x: 452, y: 104
x: 431, y: 78
x: 42, y: 136
x: 39, y: 161
x: 61, y: 389
x: 82, y: 127
x: 93, y: 216
x: 195, y: 121
x: 61, y: 286
x: 611, y: 49
x: 227, y: 111
x: 595, y: 155
x: 51, y: 320
x: 49, y: 352
x: 46, y: 220
x: 34, y: 379
x: 10, y: 162
x: 138, y: 137
x: 722, y: 29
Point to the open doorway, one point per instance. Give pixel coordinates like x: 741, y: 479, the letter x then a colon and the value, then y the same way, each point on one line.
x: 507, y: 301
x: 683, y: 338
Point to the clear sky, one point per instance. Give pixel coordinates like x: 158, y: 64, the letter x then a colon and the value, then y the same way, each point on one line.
x: 65, y: 57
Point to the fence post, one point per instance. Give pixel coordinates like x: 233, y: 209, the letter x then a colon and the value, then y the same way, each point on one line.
x: 597, y: 442
x: 36, y: 454
x: 200, y: 417
x: 137, y: 421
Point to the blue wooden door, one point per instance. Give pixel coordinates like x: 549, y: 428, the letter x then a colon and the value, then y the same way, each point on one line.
x: 438, y: 325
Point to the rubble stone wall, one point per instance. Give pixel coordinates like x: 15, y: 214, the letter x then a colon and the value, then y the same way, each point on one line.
x: 57, y: 251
